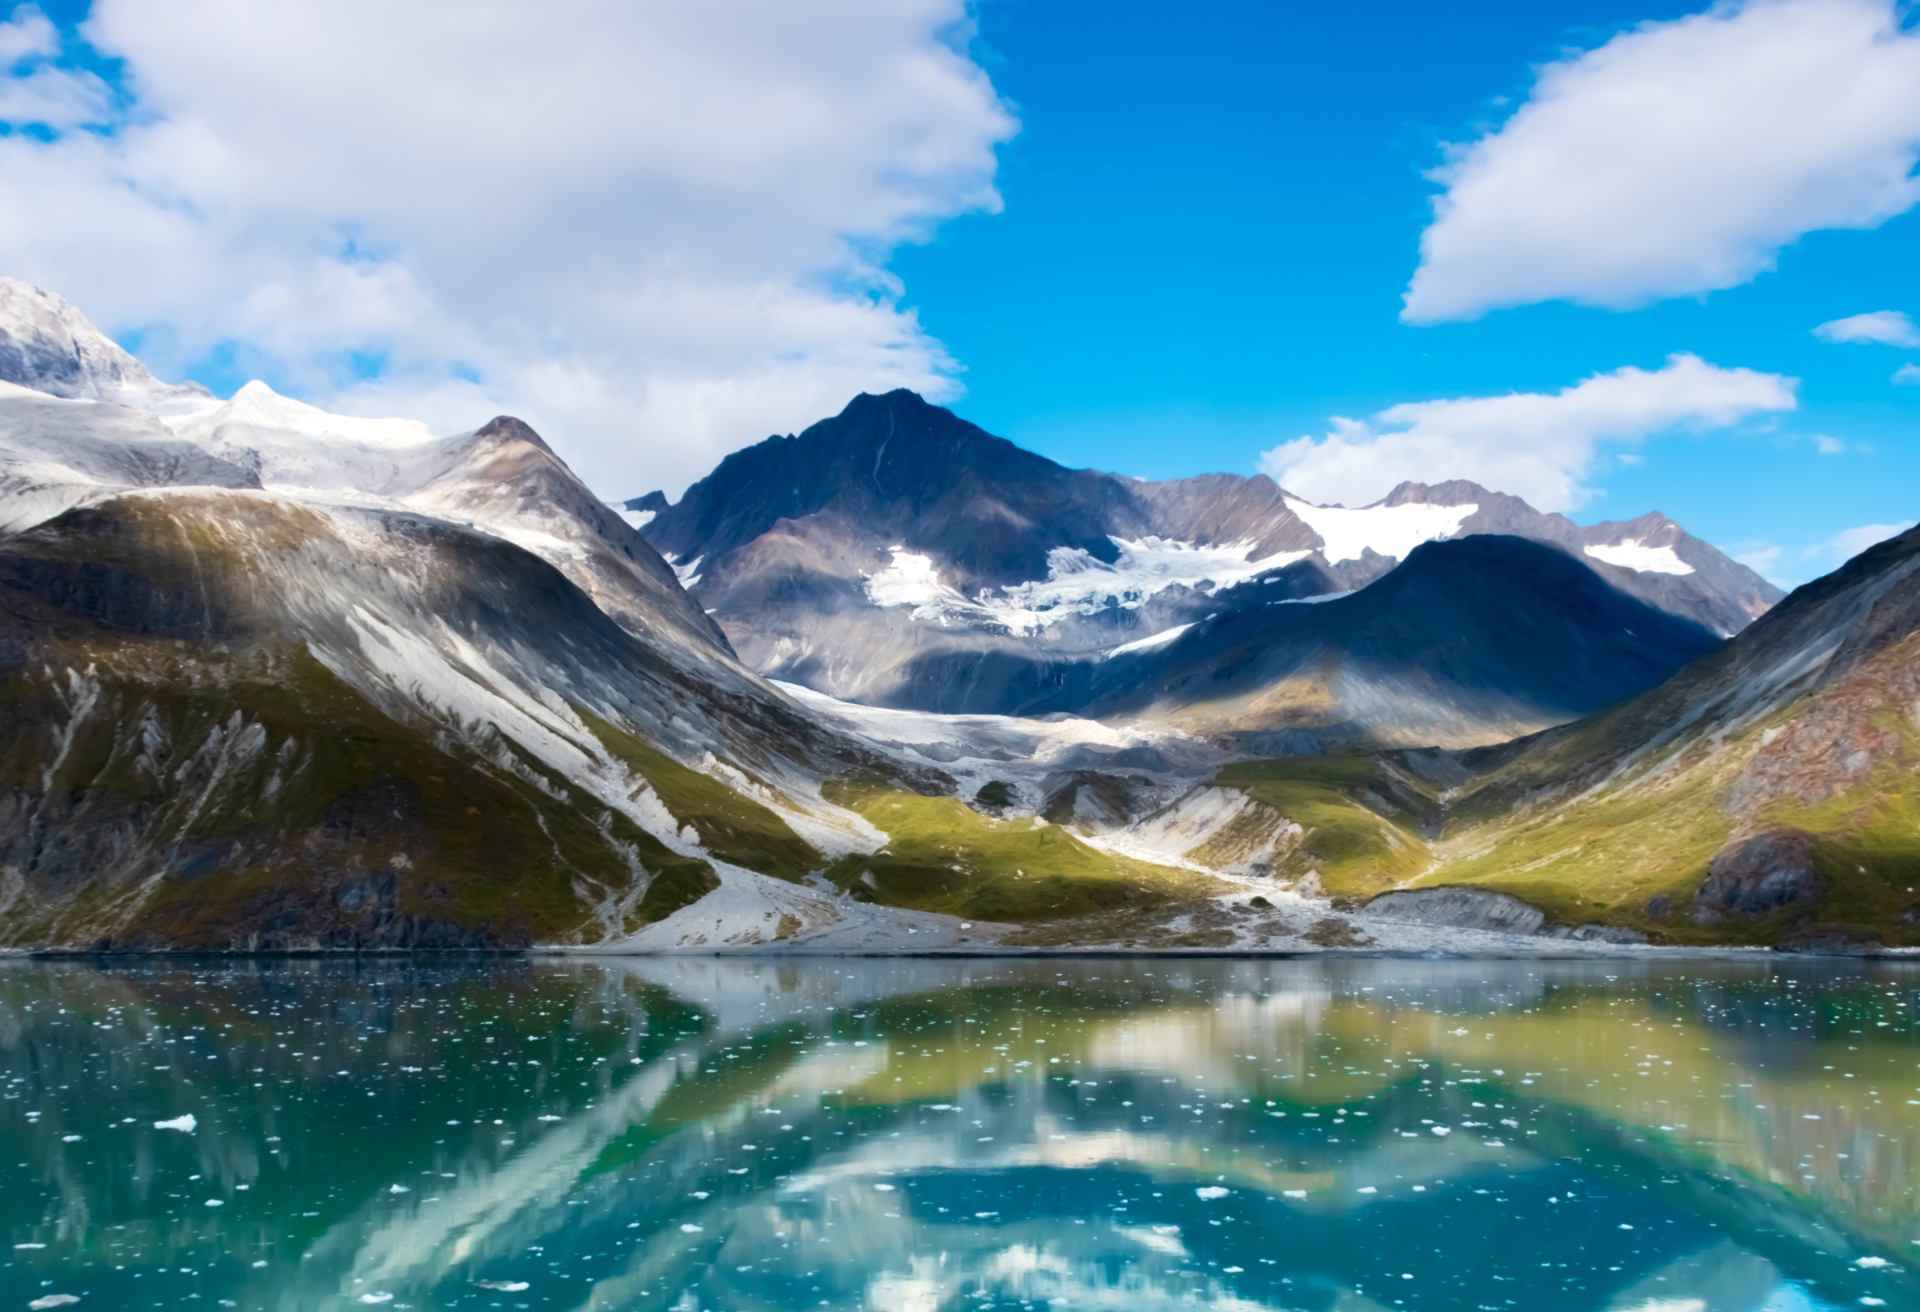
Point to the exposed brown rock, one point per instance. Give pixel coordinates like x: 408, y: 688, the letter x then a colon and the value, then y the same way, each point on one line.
x: 1758, y: 876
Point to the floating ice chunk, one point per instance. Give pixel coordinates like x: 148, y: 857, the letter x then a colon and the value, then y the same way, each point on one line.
x: 54, y: 1300
x: 1871, y: 1263
x: 1209, y: 1192
x: 398, y: 1189
x: 185, y: 1124
x: 1293, y: 1193
x: 689, y: 1228
x: 883, y: 1187
x: 1442, y: 1130
x: 504, y: 1286
x: 380, y: 1297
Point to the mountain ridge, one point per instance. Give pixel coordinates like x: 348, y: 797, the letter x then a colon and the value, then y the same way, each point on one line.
x: 952, y: 573
x: 283, y: 679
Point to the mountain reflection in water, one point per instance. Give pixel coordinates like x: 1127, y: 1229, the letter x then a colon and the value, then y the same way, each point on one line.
x: 705, y: 1133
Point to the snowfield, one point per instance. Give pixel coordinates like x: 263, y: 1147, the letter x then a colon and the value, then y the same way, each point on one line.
x: 1390, y: 531
x: 1078, y: 584
x: 1636, y: 555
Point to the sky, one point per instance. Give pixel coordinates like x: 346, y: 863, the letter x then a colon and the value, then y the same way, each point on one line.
x: 1609, y: 257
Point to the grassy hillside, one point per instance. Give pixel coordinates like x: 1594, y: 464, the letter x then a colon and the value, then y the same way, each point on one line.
x: 1362, y: 819
x: 273, y: 804
x: 942, y: 855
x: 731, y: 825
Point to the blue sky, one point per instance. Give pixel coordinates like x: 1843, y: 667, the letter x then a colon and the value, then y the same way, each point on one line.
x: 1209, y: 227
x: 1155, y: 243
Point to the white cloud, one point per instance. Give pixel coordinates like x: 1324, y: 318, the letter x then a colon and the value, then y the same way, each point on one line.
x: 35, y: 93
x: 1828, y: 446
x: 1882, y: 327
x: 27, y: 35
x: 1759, y: 557
x: 1907, y: 375
x: 654, y: 231
x: 1679, y: 158
x: 1845, y: 545
x: 1537, y: 445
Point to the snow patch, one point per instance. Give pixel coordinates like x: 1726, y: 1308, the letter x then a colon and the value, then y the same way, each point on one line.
x: 911, y: 580
x: 1077, y: 583
x: 1391, y: 531
x: 1160, y: 639
x: 1636, y: 555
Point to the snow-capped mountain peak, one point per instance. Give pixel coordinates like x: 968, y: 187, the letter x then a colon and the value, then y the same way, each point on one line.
x: 48, y: 345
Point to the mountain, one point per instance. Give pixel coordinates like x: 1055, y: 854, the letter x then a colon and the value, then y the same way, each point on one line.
x: 279, y: 678
x: 1761, y: 795
x: 1471, y: 640
x: 1764, y: 792
x: 276, y: 678
x: 49, y: 347
x: 896, y: 554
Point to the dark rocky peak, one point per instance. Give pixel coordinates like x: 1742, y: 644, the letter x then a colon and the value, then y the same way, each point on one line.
x: 1653, y: 528
x: 505, y: 429
x: 1453, y: 492
x: 1221, y: 508
x: 914, y: 473
x: 655, y: 501
x: 1511, y: 584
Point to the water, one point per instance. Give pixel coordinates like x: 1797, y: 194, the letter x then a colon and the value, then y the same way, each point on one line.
x: 916, y: 1135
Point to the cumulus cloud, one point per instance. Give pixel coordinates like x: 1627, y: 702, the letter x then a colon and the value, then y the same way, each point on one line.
x: 1907, y: 375
x: 1880, y: 327
x: 1828, y: 446
x: 1679, y: 158
x: 1537, y: 445
x: 654, y: 231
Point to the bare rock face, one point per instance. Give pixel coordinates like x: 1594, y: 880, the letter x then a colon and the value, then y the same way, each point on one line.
x: 1457, y: 907
x: 1758, y: 876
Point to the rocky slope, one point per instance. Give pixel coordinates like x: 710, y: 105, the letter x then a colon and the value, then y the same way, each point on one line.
x: 1763, y: 793
x: 897, y: 555
x: 278, y: 678
x: 1470, y: 641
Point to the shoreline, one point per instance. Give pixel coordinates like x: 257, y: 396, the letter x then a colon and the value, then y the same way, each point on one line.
x: 1559, y: 951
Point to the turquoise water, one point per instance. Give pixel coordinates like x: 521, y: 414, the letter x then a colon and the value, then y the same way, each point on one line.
x: 1332, y: 1136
